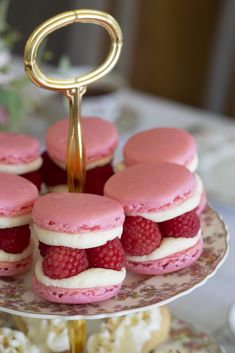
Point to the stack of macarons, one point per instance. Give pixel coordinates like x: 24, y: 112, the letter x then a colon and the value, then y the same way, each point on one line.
x: 161, y: 233
x: 17, y: 197
x: 100, y: 139
x: 20, y: 154
x: 82, y: 259
x: 163, y: 144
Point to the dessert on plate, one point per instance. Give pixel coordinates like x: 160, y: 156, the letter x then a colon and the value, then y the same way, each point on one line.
x: 82, y: 259
x: 162, y: 144
x: 14, y: 341
x: 20, y: 154
x: 17, y: 196
x: 50, y: 336
x: 134, y: 333
x: 161, y: 232
x: 100, y: 138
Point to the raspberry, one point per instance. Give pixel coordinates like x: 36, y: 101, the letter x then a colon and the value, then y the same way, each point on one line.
x: 34, y: 177
x: 63, y: 262
x: 111, y: 255
x: 51, y: 174
x: 184, y: 226
x: 96, y: 178
x: 14, y: 240
x: 43, y: 248
x: 140, y: 236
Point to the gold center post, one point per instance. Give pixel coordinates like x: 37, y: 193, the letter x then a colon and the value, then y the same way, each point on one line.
x: 73, y: 89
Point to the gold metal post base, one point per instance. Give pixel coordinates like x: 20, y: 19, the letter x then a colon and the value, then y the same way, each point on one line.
x: 77, y: 330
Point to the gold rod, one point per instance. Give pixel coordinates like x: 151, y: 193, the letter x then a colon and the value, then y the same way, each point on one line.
x: 76, y: 156
x: 77, y: 331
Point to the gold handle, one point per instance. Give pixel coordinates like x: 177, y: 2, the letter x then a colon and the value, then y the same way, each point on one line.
x: 73, y: 88
x: 64, y: 19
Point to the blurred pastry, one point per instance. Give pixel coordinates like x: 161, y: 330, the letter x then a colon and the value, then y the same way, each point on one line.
x: 51, y: 336
x: 20, y: 154
x: 100, y: 139
x: 135, y: 333
x: 13, y: 341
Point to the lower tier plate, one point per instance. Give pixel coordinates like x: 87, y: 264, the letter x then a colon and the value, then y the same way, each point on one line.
x: 137, y: 293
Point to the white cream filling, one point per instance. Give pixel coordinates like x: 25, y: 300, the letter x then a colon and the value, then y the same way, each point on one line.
x: 181, y: 208
x: 7, y: 257
x: 57, y: 188
x: 15, y: 221
x: 90, y: 165
x: 169, y: 246
x: 91, y: 278
x: 78, y: 240
x: 192, y: 166
x: 12, y: 341
x: 21, y: 168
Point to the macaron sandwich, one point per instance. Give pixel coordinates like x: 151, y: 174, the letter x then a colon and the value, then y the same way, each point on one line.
x: 17, y: 196
x: 82, y: 259
x: 20, y: 154
x: 161, y: 233
x: 163, y: 144
x: 100, y: 138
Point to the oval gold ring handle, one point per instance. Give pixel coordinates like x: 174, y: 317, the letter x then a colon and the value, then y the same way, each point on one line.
x: 64, y: 19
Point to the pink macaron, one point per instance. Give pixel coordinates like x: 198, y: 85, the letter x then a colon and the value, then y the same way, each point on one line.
x: 100, y: 138
x: 20, y: 154
x: 161, y: 224
x: 82, y: 259
x: 164, y: 144
x: 17, y: 197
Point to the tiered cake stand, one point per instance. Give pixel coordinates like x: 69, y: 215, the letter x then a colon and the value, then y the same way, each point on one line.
x: 138, y: 292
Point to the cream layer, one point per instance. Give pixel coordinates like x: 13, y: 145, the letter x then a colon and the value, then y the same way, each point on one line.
x: 168, y: 247
x: 91, y: 278
x: 7, y: 257
x: 78, y: 240
x: 187, y: 205
x: 192, y: 166
x: 15, y: 221
x: 21, y: 168
x: 90, y: 165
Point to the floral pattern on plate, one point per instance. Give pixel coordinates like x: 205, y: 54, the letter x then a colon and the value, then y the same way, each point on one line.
x: 137, y: 293
x: 186, y: 338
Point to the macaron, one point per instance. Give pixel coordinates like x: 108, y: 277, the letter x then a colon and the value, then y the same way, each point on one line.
x: 17, y: 197
x: 20, y: 154
x: 82, y: 259
x: 100, y: 138
x: 161, y: 232
x: 163, y: 144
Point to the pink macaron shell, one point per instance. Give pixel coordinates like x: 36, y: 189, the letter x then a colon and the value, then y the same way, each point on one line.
x: 74, y: 296
x: 17, y: 148
x: 168, y: 264
x: 17, y: 195
x: 74, y: 213
x: 15, y: 268
x: 202, y: 204
x: 100, y: 138
x: 151, y: 187
x: 160, y: 144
